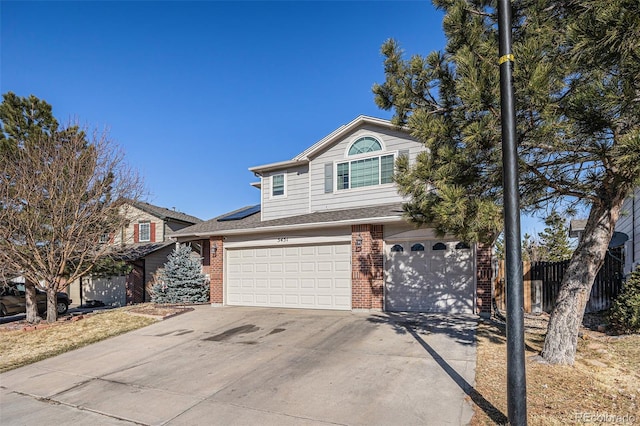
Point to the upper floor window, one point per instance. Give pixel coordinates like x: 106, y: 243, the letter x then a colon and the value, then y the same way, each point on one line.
x: 365, y: 144
x: 277, y: 185
x: 145, y: 231
x: 104, y: 238
x: 369, y: 171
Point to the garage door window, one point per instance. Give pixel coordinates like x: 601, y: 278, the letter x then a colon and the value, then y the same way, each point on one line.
x: 396, y: 248
x: 417, y: 247
x: 439, y: 247
x: 462, y: 246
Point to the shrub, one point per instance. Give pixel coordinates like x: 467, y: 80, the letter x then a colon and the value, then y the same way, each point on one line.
x: 624, y: 314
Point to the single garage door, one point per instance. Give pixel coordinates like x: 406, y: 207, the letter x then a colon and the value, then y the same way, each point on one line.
x: 309, y: 276
x: 429, y: 276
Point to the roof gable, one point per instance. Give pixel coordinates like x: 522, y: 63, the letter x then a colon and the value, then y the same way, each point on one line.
x: 325, y: 143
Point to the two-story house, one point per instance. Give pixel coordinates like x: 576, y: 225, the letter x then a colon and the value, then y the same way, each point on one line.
x: 329, y: 234
x: 144, y: 243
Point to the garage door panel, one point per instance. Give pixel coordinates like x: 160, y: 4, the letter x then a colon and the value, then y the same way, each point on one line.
x: 307, y: 283
x: 297, y: 276
x: 291, y: 267
x: 342, y: 266
x: 291, y: 251
x: 307, y: 251
x: 324, y: 250
x: 344, y: 249
x: 307, y: 301
x: 290, y: 283
x: 276, y: 267
x: 307, y: 267
x: 291, y: 300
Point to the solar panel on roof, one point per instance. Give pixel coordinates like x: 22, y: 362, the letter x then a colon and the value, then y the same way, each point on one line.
x: 241, y: 214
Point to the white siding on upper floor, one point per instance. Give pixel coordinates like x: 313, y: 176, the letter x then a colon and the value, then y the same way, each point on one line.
x: 393, y: 142
x: 295, y: 200
x: 629, y: 223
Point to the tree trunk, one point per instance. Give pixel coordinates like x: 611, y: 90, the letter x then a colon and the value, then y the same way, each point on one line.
x: 31, y: 308
x: 561, y: 341
x: 52, y: 302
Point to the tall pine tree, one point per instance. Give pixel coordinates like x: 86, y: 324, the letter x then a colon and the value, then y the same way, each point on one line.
x: 554, y: 239
x: 577, y: 91
x: 181, y: 280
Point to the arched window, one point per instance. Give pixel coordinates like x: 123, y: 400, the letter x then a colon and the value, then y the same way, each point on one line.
x: 417, y: 247
x: 439, y: 247
x: 376, y: 168
x: 364, y: 145
x: 397, y: 248
x: 462, y: 246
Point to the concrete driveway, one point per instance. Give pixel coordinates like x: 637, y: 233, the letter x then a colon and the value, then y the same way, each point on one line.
x: 256, y: 366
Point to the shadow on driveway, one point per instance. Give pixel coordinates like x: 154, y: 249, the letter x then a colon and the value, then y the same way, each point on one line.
x: 459, y: 328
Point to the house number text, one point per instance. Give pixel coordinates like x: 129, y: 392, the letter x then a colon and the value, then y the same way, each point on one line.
x: 283, y: 239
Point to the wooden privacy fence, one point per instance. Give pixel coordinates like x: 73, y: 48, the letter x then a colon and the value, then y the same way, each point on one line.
x: 542, y: 283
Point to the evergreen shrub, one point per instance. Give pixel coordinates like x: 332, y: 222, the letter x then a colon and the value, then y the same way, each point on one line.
x: 624, y: 314
x: 181, y: 279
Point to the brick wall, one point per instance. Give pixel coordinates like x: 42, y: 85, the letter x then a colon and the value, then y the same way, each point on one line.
x: 216, y: 270
x: 367, y: 274
x: 483, y: 279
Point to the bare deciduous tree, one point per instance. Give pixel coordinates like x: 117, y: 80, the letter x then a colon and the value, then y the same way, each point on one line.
x: 60, y: 192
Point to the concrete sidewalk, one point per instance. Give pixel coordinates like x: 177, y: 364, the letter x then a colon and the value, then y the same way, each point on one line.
x: 254, y: 366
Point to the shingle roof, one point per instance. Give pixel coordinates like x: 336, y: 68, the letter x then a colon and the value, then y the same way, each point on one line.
x: 253, y: 222
x: 163, y: 213
x: 138, y: 251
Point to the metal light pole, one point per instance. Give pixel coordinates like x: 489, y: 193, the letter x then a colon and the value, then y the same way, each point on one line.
x: 516, y: 374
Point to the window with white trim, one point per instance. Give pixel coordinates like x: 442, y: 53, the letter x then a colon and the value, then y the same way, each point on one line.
x: 144, y: 229
x: 367, y: 171
x: 277, y: 185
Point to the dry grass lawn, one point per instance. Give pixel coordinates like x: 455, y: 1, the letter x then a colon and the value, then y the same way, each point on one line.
x: 18, y: 347
x: 605, y: 380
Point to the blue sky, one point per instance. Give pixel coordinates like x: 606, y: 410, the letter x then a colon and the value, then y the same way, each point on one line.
x: 197, y: 92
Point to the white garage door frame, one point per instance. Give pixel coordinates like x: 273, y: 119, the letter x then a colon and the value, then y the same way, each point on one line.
x: 428, y: 242
x: 308, y: 272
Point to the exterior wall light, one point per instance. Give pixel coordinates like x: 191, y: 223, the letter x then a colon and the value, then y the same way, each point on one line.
x: 359, y: 242
x: 214, y: 249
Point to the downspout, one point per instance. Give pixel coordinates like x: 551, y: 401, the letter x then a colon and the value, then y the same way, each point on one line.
x: 633, y: 231
x: 80, y: 290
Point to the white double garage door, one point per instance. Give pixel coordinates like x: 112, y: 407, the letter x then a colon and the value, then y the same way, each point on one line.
x: 305, y: 276
x: 419, y: 277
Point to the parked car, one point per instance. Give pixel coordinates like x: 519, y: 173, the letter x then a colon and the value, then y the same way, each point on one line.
x: 13, y: 301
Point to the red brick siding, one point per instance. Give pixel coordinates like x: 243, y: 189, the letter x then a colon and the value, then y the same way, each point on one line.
x: 216, y: 270
x: 483, y: 279
x: 367, y: 267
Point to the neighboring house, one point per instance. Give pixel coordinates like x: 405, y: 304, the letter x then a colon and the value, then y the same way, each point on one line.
x: 145, y: 244
x: 629, y: 225
x: 626, y: 233
x: 329, y: 234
